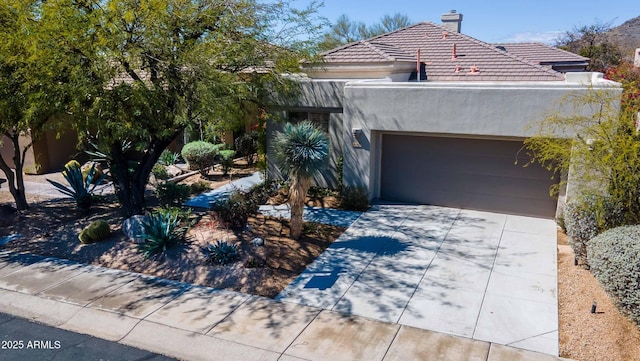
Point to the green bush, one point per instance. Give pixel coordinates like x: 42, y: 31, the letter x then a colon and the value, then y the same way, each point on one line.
x: 169, y: 193
x: 95, y: 232
x: 586, y: 217
x: 354, y: 199
x: 614, y: 257
x: 160, y: 171
x: 260, y: 193
x: 226, y: 158
x: 321, y: 192
x: 235, y: 210
x: 200, y: 187
x: 162, y: 230
x: 200, y: 155
x: 182, y: 214
x: 222, y: 252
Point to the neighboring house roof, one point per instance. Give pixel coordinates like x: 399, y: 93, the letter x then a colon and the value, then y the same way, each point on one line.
x: 474, y: 60
x: 541, y: 54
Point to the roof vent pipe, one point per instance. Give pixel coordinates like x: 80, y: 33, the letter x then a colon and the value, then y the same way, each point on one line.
x: 452, y: 21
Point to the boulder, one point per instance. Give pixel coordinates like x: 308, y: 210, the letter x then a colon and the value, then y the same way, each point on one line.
x: 258, y: 242
x: 132, y: 228
x: 173, y: 171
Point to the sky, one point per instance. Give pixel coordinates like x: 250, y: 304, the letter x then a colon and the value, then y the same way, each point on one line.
x: 493, y: 21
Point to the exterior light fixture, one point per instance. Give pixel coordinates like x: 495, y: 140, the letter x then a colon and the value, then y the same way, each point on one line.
x: 356, y: 134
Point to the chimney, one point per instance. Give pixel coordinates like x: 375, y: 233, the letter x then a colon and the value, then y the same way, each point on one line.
x: 452, y: 21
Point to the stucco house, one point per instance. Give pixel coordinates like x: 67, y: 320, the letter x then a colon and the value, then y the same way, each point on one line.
x: 429, y: 115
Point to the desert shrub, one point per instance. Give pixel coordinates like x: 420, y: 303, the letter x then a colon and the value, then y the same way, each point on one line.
x: 235, y: 210
x: 254, y: 262
x: 169, y: 193
x: 95, y: 232
x: 199, y: 187
x: 159, y: 171
x: 183, y: 214
x: 247, y: 145
x: 226, y: 159
x: 588, y: 216
x: 614, y: 257
x: 320, y: 192
x: 222, y: 252
x: 260, y: 193
x: 162, y: 230
x: 200, y: 155
x: 354, y: 199
x: 168, y: 157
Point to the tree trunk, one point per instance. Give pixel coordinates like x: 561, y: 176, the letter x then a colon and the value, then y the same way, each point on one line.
x: 15, y: 177
x: 297, y: 196
x: 130, y: 186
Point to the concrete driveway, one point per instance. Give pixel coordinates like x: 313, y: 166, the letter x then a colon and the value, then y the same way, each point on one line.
x: 481, y: 275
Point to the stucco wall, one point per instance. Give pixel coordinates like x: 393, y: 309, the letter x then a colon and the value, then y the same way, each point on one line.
x: 485, y: 110
x: 491, y: 110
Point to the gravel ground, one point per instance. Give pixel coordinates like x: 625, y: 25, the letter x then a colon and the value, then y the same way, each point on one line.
x: 585, y: 336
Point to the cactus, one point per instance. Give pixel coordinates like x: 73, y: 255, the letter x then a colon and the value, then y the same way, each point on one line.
x: 95, y: 232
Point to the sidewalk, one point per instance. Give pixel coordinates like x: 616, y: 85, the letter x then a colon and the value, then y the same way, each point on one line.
x: 198, y: 323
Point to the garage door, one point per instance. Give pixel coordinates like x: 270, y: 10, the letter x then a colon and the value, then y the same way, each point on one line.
x: 464, y: 173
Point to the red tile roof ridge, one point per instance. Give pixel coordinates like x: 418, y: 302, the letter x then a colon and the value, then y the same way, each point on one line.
x: 493, y: 48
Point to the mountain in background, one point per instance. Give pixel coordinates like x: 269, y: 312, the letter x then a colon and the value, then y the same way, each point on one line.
x: 626, y: 36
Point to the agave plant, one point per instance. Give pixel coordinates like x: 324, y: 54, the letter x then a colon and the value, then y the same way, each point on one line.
x: 80, y: 188
x: 302, y: 151
x: 162, y: 231
x: 222, y: 252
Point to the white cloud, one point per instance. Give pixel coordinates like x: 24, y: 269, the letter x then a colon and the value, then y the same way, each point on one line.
x: 548, y: 37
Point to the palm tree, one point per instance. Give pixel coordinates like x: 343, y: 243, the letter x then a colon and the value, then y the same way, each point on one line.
x: 302, y: 151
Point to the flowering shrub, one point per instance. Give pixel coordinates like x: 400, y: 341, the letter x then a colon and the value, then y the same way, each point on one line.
x: 629, y: 77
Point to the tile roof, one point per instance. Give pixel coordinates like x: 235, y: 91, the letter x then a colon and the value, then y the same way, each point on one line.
x: 540, y: 53
x: 474, y: 61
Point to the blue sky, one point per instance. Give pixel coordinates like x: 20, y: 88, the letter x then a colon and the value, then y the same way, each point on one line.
x: 495, y: 20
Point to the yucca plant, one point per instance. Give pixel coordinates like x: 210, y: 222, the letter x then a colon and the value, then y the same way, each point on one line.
x: 80, y: 188
x: 162, y: 231
x: 302, y: 151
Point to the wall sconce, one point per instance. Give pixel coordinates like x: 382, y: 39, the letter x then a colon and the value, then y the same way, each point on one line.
x: 356, y: 133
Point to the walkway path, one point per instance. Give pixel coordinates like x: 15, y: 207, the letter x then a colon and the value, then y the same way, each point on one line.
x: 204, y: 200
x: 198, y: 323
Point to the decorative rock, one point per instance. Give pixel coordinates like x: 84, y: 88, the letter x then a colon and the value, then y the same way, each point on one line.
x: 173, y: 171
x: 132, y: 228
x: 258, y: 242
